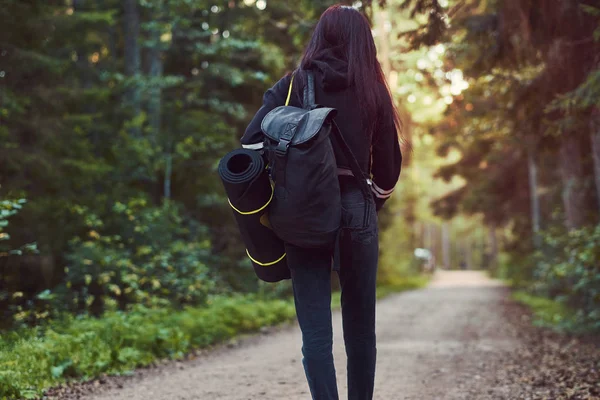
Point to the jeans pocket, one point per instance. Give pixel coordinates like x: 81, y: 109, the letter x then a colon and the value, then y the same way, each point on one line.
x: 360, y: 220
x: 353, y: 216
x: 364, y: 235
x: 368, y: 231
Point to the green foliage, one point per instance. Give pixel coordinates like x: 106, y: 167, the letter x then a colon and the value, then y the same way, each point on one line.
x: 12, y: 302
x: 145, y: 255
x: 397, y: 241
x: 428, y: 33
x: 73, y: 348
x: 119, y: 172
x: 9, y: 208
x: 581, y: 98
x: 516, y: 269
x: 522, y: 132
x: 36, y: 359
x: 82, y: 135
x: 594, y: 11
x: 548, y: 313
x: 400, y: 284
x: 569, y: 272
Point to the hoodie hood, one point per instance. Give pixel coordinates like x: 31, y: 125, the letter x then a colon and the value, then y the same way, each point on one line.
x: 333, y: 70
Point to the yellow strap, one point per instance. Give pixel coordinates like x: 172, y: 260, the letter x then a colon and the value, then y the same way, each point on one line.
x: 265, y: 264
x: 287, y: 101
x: 255, y: 211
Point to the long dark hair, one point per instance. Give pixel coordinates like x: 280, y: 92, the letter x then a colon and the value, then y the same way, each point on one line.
x: 346, y: 30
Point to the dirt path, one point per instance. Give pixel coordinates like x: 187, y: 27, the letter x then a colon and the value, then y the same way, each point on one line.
x: 446, y: 341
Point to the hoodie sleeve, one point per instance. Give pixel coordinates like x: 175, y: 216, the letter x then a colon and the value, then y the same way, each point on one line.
x: 274, y: 97
x: 386, y: 158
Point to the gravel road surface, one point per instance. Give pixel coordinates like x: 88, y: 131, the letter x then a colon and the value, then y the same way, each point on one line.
x: 446, y: 341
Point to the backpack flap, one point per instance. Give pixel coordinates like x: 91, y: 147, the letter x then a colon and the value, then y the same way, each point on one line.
x: 291, y: 126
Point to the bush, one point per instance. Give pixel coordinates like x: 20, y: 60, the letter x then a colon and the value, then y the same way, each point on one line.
x: 155, y: 257
x: 35, y: 359
x: 548, y: 313
x: 569, y: 272
x: 13, y: 302
x: 9, y: 208
x: 396, y: 254
x: 516, y: 268
x: 82, y: 347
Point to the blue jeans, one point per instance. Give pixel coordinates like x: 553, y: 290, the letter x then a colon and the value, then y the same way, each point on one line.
x: 311, y: 280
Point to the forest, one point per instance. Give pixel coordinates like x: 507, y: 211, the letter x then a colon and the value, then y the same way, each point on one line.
x: 114, y: 115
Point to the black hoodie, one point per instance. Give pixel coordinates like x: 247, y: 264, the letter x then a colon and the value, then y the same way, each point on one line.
x: 378, y: 154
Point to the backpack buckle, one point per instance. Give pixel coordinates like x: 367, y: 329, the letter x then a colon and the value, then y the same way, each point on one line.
x: 282, y: 147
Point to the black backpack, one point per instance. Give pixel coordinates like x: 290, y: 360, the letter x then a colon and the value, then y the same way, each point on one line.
x: 306, y: 207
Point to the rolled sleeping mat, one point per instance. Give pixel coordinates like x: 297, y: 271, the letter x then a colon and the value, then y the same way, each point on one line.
x: 249, y: 190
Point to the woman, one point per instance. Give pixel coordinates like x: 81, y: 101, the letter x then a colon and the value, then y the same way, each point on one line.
x: 348, y: 77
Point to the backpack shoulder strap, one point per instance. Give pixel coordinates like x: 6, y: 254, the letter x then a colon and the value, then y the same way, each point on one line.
x: 287, y: 101
x: 309, y: 91
x: 354, y: 166
x: 309, y: 103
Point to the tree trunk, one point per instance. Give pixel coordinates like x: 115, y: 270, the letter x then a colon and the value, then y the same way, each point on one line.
x: 435, y: 240
x: 493, y: 247
x: 420, y: 229
x: 132, y: 58
x: 533, y: 191
x: 571, y: 169
x: 428, y: 240
x: 446, y: 250
x: 155, y: 71
x: 84, y: 72
x: 168, y: 173
x: 82, y: 56
x: 112, y: 36
x: 469, y: 253
x: 384, y: 42
x: 595, y: 136
x: 462, y: 251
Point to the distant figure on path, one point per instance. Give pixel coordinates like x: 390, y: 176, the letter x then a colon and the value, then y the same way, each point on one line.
x: 348, y: 77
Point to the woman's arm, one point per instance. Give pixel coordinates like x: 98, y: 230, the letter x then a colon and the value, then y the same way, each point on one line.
x: 386, y: 159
